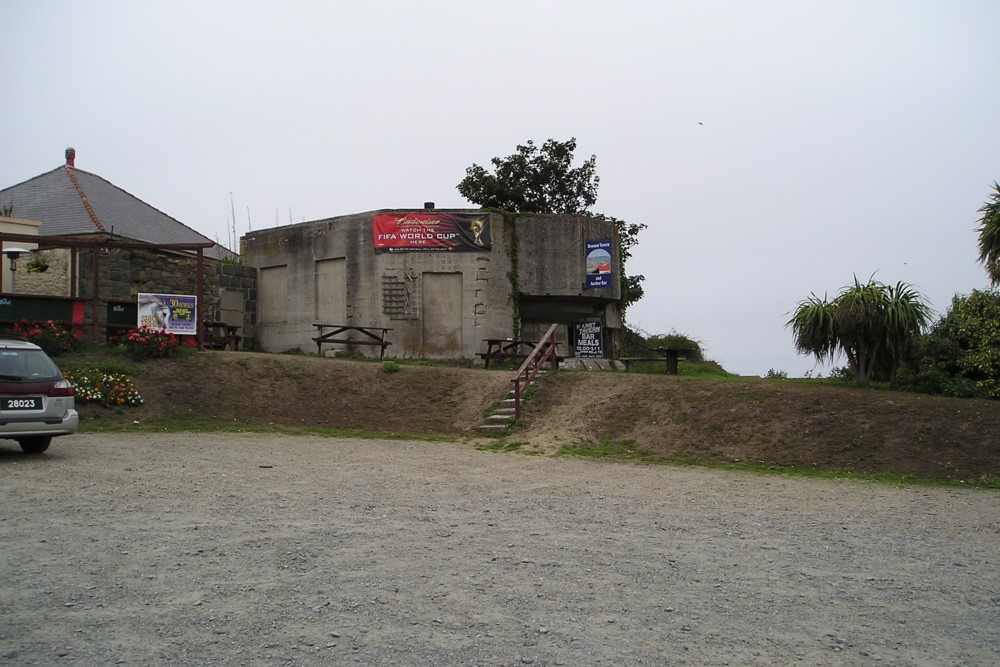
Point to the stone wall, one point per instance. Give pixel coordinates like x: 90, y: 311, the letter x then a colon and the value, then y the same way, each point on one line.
x: 52, y: 280
x: 236, y: 296
x: 123, y: 273
x: 126, y: 273
x: 9, y: 225
x: 230, y: 289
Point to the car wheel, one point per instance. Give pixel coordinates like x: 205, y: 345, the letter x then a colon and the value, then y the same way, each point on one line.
x: 35, y: 445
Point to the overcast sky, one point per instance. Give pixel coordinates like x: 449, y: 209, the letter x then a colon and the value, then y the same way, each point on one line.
x: 775, y: 149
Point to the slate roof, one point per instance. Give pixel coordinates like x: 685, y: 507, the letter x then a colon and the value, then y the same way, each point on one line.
x: 73, y: 202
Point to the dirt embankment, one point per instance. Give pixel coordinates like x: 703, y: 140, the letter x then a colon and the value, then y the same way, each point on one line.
x: 781, y: 423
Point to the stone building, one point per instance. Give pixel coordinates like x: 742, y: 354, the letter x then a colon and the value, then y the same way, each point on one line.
x: 442, y: 280
x: 84, y: 226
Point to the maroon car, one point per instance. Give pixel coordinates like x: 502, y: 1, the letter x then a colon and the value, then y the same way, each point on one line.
x: 36, y: 401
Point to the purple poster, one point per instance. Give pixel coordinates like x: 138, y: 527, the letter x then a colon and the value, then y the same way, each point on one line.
x: 173, y: 313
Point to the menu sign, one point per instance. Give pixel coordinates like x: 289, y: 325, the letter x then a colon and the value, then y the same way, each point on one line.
x: 589, y: 340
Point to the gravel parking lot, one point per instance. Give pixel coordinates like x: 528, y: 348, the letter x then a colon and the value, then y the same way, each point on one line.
x: 230, y: 549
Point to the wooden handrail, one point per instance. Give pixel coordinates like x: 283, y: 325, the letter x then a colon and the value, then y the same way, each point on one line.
x: 544, y: 351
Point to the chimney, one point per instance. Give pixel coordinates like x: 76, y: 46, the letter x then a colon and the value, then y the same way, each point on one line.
x: 429, y: 205
x: 70, y: 157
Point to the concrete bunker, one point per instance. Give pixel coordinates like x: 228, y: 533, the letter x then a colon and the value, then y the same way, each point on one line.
x: 441, y: 281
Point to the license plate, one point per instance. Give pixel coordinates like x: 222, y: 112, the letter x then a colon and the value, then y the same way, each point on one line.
x: 21, y: 403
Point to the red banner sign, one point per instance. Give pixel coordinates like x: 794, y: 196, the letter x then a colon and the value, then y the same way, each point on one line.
x: 430, y: 231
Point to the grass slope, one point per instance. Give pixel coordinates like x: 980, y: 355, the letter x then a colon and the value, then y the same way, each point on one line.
x: 747, y: 422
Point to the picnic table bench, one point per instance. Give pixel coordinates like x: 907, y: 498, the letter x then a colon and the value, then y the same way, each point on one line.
x: 369, y: 336
x: 670, y: 355
x: 221, y: 335
x: 499, y: 349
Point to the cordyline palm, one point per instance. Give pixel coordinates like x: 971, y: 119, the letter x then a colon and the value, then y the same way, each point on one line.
x: 989, y: 235
x: 873, y: 324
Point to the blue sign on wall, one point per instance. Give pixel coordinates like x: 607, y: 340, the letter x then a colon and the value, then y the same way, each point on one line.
x: 598, y: 264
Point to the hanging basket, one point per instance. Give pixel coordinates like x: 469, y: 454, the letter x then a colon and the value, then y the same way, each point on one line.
x: 38, y: 264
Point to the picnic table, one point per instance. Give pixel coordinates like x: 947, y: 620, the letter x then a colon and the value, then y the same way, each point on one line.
x: 221, y: 335
x: 670, y: 355
x: 498, y: 349
x: 344, y: 334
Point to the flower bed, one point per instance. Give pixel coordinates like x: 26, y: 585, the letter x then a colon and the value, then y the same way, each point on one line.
x: 145, y: 343
x: 108, y: 388
x: 53, y: 337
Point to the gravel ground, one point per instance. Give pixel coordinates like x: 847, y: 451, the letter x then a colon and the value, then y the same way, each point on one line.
x: 229, y: 549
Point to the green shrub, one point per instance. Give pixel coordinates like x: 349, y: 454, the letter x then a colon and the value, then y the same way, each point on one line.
x: 961, y: 354
x: 637, y: 343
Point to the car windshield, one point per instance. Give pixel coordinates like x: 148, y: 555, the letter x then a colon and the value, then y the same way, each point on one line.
x: 27, y: 365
